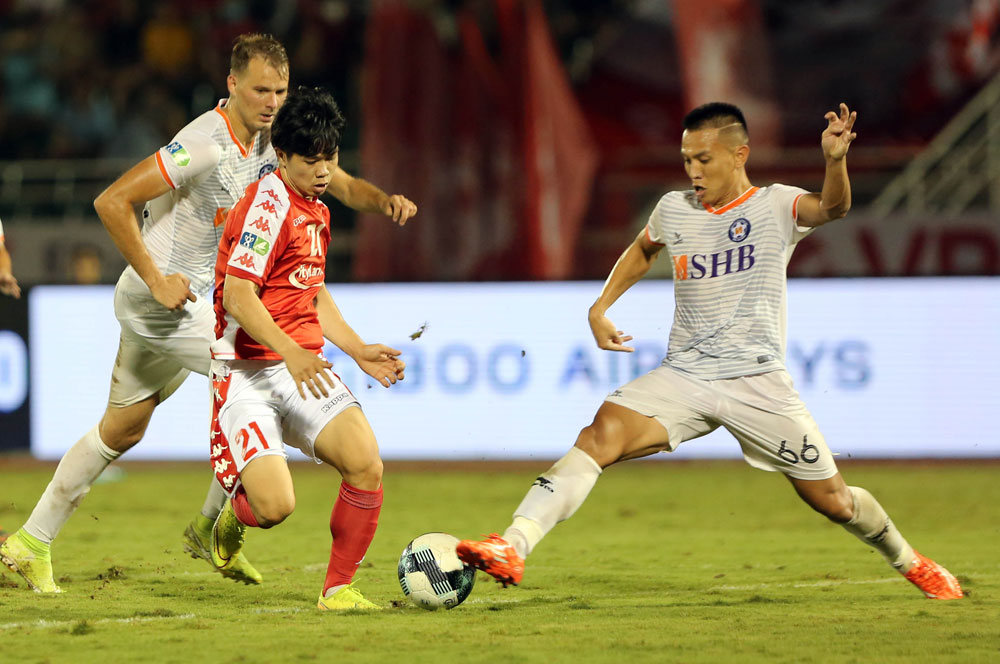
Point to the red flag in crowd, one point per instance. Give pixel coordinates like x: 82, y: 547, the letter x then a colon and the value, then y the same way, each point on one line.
x: 494, y: 150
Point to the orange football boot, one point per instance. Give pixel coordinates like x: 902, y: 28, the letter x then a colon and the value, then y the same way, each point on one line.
x: 495, y: 556
x: 933, y: 580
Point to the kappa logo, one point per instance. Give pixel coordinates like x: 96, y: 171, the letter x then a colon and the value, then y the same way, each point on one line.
x: 179, y: 154
x: 543, y: 483
x: 246, y: 260
x: 739, y: 230
x: 268, y: 206
x: 298, y: 220
x: 261, y: 224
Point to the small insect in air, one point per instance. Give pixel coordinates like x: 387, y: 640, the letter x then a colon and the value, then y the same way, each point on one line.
x: 420, y: 330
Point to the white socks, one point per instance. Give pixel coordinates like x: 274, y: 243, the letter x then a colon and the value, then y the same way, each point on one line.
x: 77, y: 470
x: 554, y: 497
x: 215, y: 500
x: 873, y: 526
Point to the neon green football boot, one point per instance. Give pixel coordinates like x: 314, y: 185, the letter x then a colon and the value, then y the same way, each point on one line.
x: 31, y: 558
x: 347, y: 597
x: 198, y: 542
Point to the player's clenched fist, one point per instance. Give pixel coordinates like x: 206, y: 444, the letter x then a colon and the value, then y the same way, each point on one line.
x: 399, y: 208
x: 173, y: 291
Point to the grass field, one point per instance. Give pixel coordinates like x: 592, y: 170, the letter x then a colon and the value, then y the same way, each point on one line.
x: 666, y: 562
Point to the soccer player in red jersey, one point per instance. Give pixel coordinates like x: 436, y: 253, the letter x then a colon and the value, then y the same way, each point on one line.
x: 271, y: 384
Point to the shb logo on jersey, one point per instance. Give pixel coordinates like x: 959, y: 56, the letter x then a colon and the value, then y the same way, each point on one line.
x: 701, y: 266
x: 739, y: 230
x: 178, y: 154
x: 264, y: 170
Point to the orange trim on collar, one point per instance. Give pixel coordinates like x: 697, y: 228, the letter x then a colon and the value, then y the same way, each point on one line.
x: 729, y: 206
x: 243, y: 151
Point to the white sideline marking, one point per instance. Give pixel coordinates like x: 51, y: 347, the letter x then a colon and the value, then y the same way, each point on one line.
x: 46, y: 624
x: 815, y: 584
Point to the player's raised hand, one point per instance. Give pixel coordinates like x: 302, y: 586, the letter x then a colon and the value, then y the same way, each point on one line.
x: 173, y: 291
x: 608, y: 336
x: 399, y: 208
x: 381, y: 363
x: 8, y: 285
x: 838, y: 134
x: 309, y: 371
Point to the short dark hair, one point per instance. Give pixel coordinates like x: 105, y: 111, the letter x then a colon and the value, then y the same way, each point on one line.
x: 308, y: 124
x: 246, y: 47
x: 715, y: 115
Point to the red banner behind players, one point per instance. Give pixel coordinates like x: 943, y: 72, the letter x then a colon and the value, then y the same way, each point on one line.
x: 494, y: 150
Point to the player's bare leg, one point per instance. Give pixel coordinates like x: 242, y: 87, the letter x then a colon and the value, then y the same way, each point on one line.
x: 862, y: 516
x: 28, y: 551
x: 348, y: 444
x: 616, y: 434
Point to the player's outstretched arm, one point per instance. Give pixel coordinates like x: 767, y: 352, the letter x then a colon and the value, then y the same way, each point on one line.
x: 631, y: 266
x: 116, y: 206
x: 241, y: 299
x: 835, y: 199
x: 363, y: 196
x: 8, y: 284
x: 379, y: 361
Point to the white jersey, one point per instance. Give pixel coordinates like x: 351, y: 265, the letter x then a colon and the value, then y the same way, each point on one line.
x: 208, y: 169
x: 729, y: 279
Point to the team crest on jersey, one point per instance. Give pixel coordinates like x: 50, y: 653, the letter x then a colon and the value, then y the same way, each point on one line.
x: 179, y: 154
x: 739, y: 230
x: 265, y: 170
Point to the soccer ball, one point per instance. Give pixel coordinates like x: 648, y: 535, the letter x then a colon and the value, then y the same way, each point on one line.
x: 431, y: 575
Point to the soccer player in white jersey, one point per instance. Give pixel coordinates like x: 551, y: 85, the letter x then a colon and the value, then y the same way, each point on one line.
x: 163, y: 298
x: 730, y: 243
x: 8, y: 283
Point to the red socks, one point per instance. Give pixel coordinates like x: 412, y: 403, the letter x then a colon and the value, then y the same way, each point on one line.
x: 352, y: 524
x: 241, y: 508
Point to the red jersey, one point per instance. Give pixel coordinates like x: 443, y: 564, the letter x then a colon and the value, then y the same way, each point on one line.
x: 277, y: 239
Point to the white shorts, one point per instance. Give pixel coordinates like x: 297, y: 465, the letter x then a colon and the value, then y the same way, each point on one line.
x: 158, y: 347
x: 256, y: 410
x: 763, y: 412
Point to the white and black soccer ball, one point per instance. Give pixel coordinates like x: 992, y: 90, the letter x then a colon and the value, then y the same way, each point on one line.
x: 431, y: 574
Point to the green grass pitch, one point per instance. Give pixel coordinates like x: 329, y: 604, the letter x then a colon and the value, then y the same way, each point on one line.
x: 666, y: 562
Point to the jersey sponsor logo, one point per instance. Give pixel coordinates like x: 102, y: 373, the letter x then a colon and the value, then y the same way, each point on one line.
x: 246, y: 260
x: 258, y: 245
x: 265, y: 170
x: 702, y: 266
x: 739, y: 230
x: 248, y: 240
x: 304, y: 274
x: 178, y: 153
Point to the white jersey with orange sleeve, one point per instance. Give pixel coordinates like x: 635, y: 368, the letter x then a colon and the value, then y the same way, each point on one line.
x: 729, y: 279
x: 277, y: 239
x: 208, y: 170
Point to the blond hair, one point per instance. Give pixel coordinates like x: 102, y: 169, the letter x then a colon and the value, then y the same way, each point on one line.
x: 257, y: 45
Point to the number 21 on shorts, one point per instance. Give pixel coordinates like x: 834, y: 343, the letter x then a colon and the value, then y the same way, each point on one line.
x: 243, y: 440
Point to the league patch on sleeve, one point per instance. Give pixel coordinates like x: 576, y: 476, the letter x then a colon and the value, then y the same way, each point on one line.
x: 178, y: 153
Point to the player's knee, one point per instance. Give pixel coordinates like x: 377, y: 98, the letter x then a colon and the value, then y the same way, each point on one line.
x: 367, y: 477
x: 601, y: 440
x: 274, y: 509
